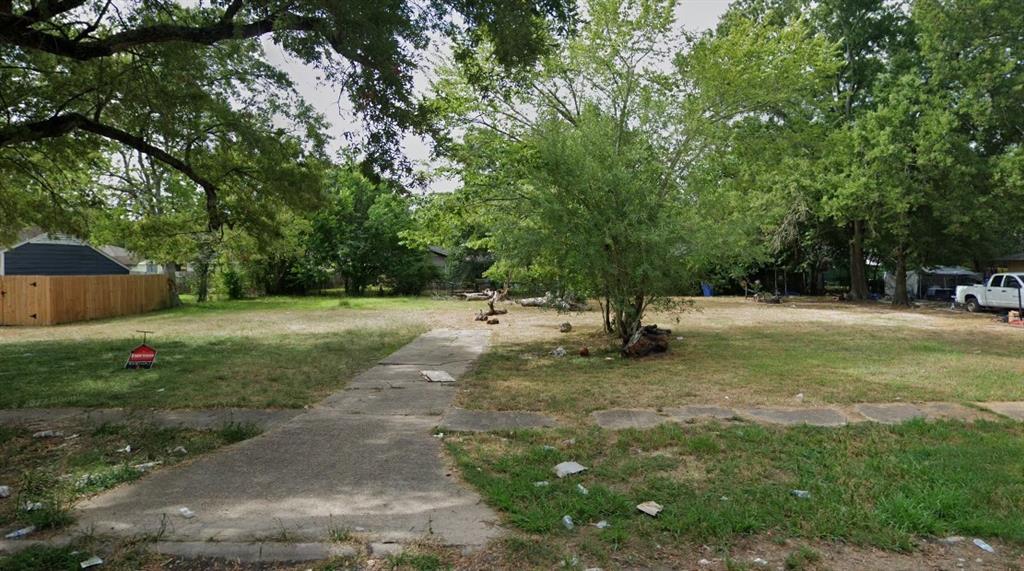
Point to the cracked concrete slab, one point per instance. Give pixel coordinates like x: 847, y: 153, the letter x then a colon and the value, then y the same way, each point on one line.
x: 253, y: 552
x: 789, y: 416
x: 329, y: 468
x: 1014, y: 410
x: 622, y: 418
x: 462, y: 420
x: 889, y: 413
x: 700, y: 412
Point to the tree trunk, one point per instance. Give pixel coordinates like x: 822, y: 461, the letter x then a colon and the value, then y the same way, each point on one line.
x: 204, y: 267
x: 171, y: 271
x: 606, y: 311
x: 899, y: 295
x: 858, y: 265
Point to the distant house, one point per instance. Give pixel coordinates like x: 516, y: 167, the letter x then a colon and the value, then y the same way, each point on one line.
x: 41, y: 254
x: 438, y: 256
x: 1010, y: 262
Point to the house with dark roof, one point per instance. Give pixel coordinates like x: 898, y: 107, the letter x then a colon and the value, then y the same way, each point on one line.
x: 42, y: 254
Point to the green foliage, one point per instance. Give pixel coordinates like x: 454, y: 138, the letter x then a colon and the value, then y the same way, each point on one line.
x: 360, y: 234
x: 233, y: 283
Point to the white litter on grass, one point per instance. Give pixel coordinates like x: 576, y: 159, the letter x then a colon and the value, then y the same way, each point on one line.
x: 5, y: 491
x: 439, y: 435
x: 601, y: 524
x: 541, y: 484
x: 437, y: 376
x: 984, y: 546
x: 799, y: 397
x: 126, y: 450
x: 559, y: 352
x: 20, y: 532
x: 146, y: 466
x: 802, y: 494
x: 47, y: 434
x: 71, y: 437
x: 187, y: 513
x: 91, y: 562
x: 703, y: 562
x: 582, y: 490
x: 567, y: 522
x: 160, y: 390
x: 180, y: 450
x: 650, y: 508
x: 31, y: 506
x: 568, y: 468
x: 760, y: 562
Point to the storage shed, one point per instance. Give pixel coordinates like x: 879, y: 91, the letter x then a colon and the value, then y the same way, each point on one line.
x: 57, y: 255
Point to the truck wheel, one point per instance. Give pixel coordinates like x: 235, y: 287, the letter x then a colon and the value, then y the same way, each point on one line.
x: 972, y: 305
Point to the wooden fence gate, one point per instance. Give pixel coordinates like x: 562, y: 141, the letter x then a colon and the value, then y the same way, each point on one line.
x: 49, y: 300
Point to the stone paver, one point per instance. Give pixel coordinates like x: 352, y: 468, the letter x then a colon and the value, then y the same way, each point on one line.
x: 200, y: 419
x: 700, y: 412
x: 889, y: 413
x: 350, y: 462
x: 790, y: 416
x: 621, y: 418
x: 462, y: 420
x: 953, y: 411
x: 1014, y: 410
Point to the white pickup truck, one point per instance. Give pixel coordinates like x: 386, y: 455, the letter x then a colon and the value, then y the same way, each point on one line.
x: 1003, y: 291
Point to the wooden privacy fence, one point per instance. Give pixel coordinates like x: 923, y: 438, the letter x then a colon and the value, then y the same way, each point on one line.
x: 49, y: 300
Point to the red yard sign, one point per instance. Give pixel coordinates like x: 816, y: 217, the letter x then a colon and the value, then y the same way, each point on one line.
x: 143, y: 356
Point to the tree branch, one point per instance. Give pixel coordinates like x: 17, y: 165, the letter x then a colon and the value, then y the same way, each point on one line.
x: 60, y: 125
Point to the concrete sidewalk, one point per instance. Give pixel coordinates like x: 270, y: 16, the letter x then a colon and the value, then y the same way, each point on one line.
x: 364, y: 461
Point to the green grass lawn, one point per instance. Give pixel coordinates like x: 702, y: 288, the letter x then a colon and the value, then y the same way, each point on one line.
x: 869, y: 484
x: 273, y: 362
x: 753, y: 365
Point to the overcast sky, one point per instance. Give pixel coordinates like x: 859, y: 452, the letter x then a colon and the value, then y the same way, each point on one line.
x: 694, y: 15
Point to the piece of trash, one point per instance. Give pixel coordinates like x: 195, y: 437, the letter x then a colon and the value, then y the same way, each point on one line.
x: 5, y: 491
x: 567, y: 522
x: 146, y: 466
x: 20, y: 532
x: 607, y: 358
x: 568, y: 468
x: 724, y: 498
x: 601, y: 524
x: 71, y: 437
x: 802, y: 494
x: 126, y: 450
x: 160, y: 390
x: 565, y: 327
x: 47, y: 434
x: 650, y: 508
x: 951, y: 540
x: 359, y: 529
x: 759, y: 562
x: 569, y: 442
x: 983, y: 546
x: 703, y: 562
x: 559, y: 352
x: 91, y: 562
x: 437, y: 376
x: 31, y: 506
x: 439, y: 435
x: 548, y: 447
x: 582, y: 490
x: 187, y: 513
x: 541, y: 484
x: 180, y: 450
x: 799, y: 397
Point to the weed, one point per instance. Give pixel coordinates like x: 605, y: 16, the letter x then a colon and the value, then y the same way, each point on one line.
x: 802, y: 559
x: 416, y: 561
x: 233, y: 432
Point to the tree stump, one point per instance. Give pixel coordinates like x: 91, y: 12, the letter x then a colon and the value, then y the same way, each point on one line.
x: 648, y: 339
